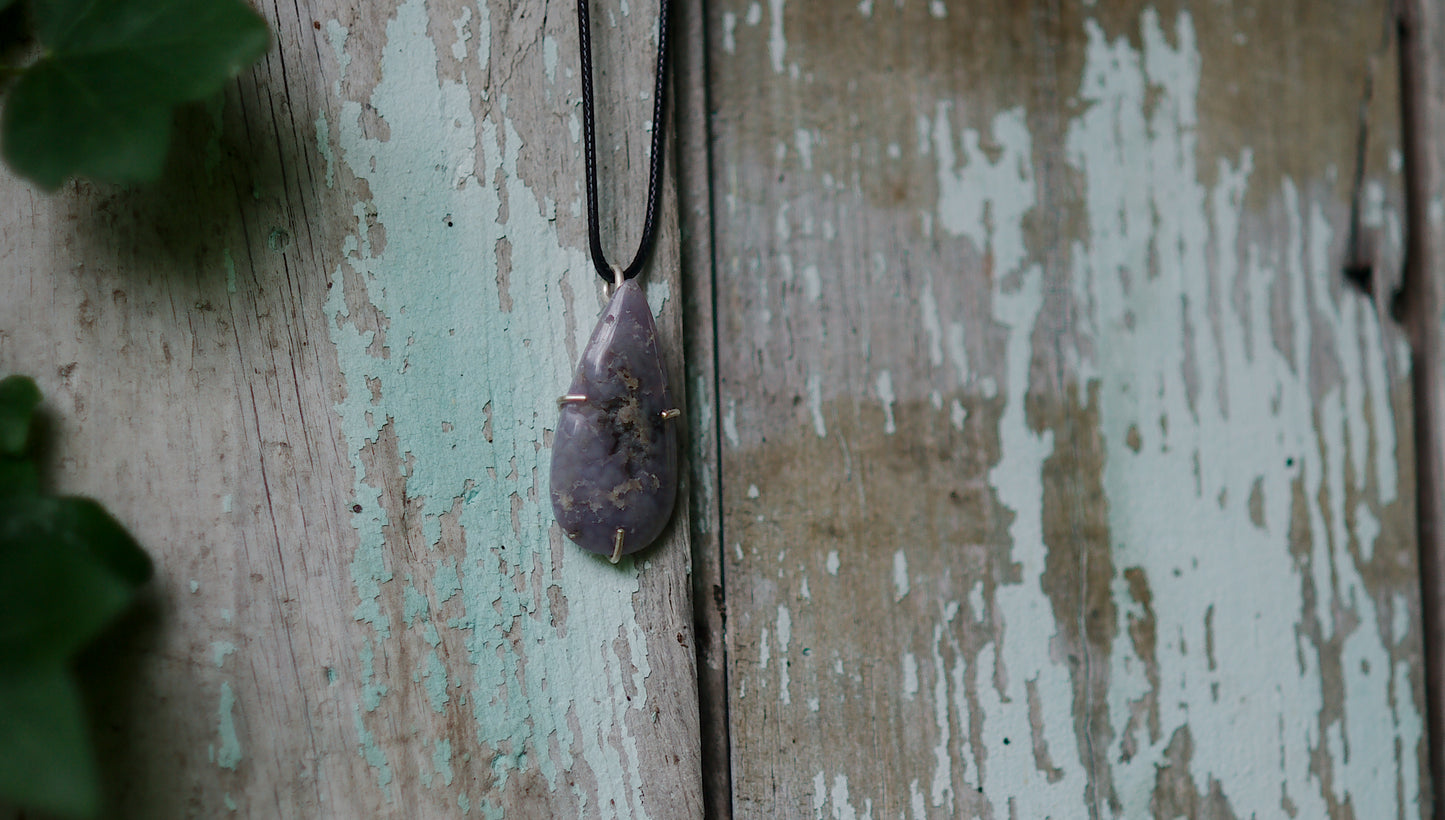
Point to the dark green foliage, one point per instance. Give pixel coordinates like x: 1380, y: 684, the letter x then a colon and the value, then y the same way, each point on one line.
x: 99, y: 101
x: 70, y: 569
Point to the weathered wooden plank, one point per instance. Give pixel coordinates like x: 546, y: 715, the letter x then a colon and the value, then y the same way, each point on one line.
x: 1062, y: 474
x: 695, y: 215
x: 1421, y: 305
x: 315, y: 371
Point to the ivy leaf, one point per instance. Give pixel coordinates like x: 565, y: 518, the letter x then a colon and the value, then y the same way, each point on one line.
x: 45, y: 756
x: 70, y: 569
x: 18, y: 399
x: 99, y: 102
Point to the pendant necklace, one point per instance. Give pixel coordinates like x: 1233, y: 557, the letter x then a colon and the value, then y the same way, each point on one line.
x: 614, y: 456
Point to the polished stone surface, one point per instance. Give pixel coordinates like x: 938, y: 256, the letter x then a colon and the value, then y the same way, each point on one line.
x: 614, y: 457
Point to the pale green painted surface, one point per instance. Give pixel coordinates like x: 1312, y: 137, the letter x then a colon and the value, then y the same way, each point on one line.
x: 468, y: 384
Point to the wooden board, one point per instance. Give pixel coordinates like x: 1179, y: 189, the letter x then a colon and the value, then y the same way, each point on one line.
x: 1421, y: 307
x: 1063, y: 475
x: 314, y: 370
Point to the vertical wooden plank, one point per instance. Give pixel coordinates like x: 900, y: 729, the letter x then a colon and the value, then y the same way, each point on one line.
x: 1062, y: 474
x: 315, y: 371
x: 1421, y: 305
x: 708, y: 584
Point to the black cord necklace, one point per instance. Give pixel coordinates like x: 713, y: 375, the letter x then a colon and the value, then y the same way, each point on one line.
x: 614, y: 455
x: 589, y: 130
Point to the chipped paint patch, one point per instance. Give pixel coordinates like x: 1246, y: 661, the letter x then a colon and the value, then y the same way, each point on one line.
x: 815, y: 406
x: 228, y: 752
x: 812, y: 283
x: 885, y: 395
x: 777, y: 42
x: 549, y: 57
x: 730, y: 424
x: 729, y: 27
x: 462, y: 30
x: 910, y: 677
x: 900, y: 576
x: 219, y: 652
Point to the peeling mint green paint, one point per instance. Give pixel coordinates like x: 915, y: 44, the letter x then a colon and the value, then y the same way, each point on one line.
x: 1258, y: 411
x: 229, y: 801
x: 463, y: 33
x: 414, y: 605
x: 219, y: 651
x: 1208, y: 318
x: 441, y: 760
x: 374, y: 755
x: 1178, y: 509
x: 435, y: 676
x: 452, y: 351
x: 446, y: 583
x: 228, y: 755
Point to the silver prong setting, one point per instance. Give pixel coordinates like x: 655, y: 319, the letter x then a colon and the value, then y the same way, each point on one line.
x: 617, y: 280
x: 571, y: 398
x: 617, y: 545
x: 669, y: 415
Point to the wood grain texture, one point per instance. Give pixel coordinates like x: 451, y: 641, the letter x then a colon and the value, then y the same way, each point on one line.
x: 1063, y: 476
x: 314, y: 371
x: 709, y: 586
x: 1421, y: 305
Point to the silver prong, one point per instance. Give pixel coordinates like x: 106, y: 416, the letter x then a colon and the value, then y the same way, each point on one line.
x: 617, y: 280
x: 617, y: 545
x: 669, y: 415
x: 571, y: 398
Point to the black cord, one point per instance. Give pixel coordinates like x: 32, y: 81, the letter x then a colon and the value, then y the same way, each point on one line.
x: 654, y: 171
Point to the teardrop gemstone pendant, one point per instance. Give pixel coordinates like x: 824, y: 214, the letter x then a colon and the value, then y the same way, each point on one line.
x: 614, y: 457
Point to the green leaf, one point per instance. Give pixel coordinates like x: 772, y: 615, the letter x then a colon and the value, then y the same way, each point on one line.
x: 45, y: 757
x: 57, y: 124
x: 18, y: 399
x: 69, y: 569
x: 180, y: 49
x: 99, y: 102
x: 18, y: 476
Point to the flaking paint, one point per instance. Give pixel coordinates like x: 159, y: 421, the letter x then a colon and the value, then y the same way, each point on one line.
x: 554, y: 658
x: 1246, y: 473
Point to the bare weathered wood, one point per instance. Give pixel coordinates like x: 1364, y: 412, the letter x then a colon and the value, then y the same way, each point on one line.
x: 1063, y: 476
x: 695, y: 192
x: 314, y: 371
x: 1421, y: 305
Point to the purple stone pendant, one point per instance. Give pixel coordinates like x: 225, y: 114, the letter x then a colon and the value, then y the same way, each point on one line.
x: 614, y: 458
